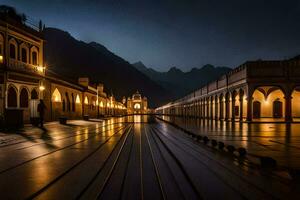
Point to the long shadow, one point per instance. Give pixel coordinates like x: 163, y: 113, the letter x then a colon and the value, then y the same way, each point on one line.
x: 45, y: 136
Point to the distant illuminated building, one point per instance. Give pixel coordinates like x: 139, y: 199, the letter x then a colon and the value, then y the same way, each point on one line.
x: 137, y: 104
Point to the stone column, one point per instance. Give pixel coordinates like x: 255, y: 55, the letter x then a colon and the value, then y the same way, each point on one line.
x: 226, y: 109
x: 207, y: 108
x: 216, y: 108
x: 249, y: 108
x: 288, y: 108
x: 241, y: 108
x: 221, y: 108
x: 233, y: 108
x: 211, y: 109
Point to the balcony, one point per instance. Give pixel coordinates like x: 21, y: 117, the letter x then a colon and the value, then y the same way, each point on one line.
x: 26, y: 67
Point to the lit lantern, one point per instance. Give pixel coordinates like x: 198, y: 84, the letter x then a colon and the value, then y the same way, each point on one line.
x: 1, y: 59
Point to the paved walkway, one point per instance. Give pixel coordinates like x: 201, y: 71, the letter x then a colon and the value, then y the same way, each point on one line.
x: 277, y: 140
x: 125, y: 158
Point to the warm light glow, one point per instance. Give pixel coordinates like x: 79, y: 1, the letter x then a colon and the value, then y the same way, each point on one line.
x: 101, y: 104
x: 137, y: 106
x: 77, y: 99
x: 42, y: 88
x: 1, y: 59
x: 56, y: 96
x: 108, y: 105
x: 40, y: 69
x: 266, y: 101
x: 86, y: 100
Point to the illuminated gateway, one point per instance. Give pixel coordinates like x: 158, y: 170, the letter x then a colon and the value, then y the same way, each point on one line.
x: 137, y: 104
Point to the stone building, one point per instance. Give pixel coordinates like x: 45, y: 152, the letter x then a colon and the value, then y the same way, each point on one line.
x: 254, y: 91
x: 24, y: 80
x: 137, y: 104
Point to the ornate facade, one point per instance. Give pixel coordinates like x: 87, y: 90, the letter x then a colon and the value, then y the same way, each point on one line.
x: 254, y: 91
x: 24, y: 80
x: 137, y: 104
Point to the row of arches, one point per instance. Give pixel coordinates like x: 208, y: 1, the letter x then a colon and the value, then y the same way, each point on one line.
x: 264, y: 103
x: 23, y: 52
x: 20, y: 98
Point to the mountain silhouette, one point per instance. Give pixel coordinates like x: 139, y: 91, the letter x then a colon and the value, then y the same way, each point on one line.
x: 68, y: 57
x: 180, y: 83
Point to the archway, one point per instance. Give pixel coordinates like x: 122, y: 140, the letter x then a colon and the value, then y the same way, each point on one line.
x: 268, y: 102
x: 24, y: 98
x: 56, y: 96
x: 12, y: 97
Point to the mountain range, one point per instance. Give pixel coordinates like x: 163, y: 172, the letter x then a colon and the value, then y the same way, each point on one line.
x: 70, y: 58
x: 180, y: 83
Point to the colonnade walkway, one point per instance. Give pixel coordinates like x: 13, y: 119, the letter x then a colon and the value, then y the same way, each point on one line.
x: 279, y: 141
x: 133, y: 157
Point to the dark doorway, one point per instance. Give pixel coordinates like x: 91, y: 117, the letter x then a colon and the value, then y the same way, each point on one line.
x: 256, y: 109
x: 277, y: 109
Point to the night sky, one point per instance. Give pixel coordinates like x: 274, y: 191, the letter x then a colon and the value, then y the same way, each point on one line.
x: 182, y: 33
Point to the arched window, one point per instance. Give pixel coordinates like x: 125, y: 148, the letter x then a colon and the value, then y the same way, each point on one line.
x: 24, y: 98
x: 12, y: 51
x: 34, y: 94
x: 12, y: 97
x: 34, y: 55
x: 56, y: 96
x: 24, y: 55
x: 77, y: 99
x: 86, y: 100
x: 34, y: 58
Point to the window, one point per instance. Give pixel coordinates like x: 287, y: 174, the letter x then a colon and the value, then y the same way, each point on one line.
x: 56, y: 96
x: 12, y: 97
x: 12, y: 51
x: 24, y: 55
x: 34, y: 58
x: 24, y: 98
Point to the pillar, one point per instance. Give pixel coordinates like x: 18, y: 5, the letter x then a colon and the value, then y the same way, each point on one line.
x: 288, y: 108
x: 226, y: 108
x: 216, y: 108
x: 221, y: 109
x: 241, y: 107
x: 211, y: 108
x: 249, y: 108
x: 233, y: 107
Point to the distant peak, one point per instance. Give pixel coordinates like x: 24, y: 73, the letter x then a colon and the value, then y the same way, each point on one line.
x: 208, y: 66
x: 174, y: 70
x: 139, y: 63
x: 97, y: 46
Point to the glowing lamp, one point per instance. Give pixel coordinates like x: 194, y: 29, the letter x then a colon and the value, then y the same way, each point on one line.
x: 1, y: 59
x: 40, y: 69
x: 42, y: 88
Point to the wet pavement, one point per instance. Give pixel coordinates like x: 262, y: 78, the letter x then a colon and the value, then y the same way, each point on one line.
x: 277, y: 140
x: 134, y: 157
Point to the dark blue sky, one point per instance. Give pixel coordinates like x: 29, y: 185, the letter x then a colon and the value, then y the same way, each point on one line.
x: 182, y: 33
